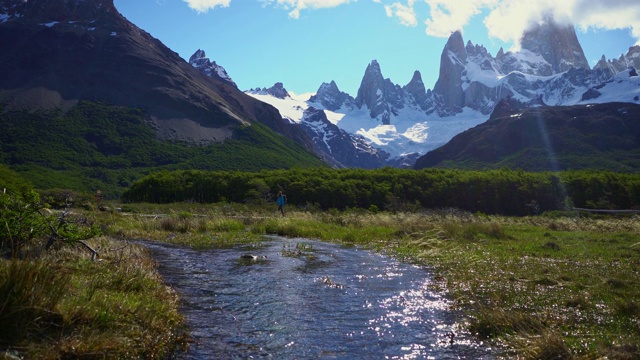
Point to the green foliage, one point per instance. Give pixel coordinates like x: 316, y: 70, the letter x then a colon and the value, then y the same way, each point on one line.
x: 95, y: 146
x: 26, y: 223
x: 12, y: 181
x: 21, y: 221
x: 491, y: 192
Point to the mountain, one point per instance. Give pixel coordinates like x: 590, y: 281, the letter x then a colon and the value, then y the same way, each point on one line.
x: 598, y: 136
x: 331, y: 98
x: 408, y: 121
x: 62, y: 51
x: 379, y: 95
x: 332, y: 143
x: 89, y: 100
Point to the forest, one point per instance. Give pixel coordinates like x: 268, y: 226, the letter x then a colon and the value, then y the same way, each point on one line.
x: 504, y: 191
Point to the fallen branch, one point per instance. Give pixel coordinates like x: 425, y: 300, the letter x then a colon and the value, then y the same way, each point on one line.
x: 94, y: 253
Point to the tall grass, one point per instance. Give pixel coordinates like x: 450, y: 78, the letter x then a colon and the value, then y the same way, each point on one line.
x: 30, y: 292
x: 63, y: 305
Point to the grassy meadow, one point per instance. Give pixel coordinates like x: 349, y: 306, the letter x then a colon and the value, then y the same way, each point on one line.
x: 556, y: 286
x: 543, y: 287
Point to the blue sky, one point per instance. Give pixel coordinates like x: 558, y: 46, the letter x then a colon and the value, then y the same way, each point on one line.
x: 305, y: 43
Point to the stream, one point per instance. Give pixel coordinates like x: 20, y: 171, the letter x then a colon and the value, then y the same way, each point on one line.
x: 305, y: 299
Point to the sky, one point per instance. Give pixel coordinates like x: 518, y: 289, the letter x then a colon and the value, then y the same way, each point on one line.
x: 303, y: 43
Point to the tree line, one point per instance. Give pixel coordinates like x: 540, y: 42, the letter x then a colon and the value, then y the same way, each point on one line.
x: 504, y: 191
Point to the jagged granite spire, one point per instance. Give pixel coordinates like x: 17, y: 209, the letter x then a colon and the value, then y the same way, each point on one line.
x: 452, y: 63
x: 380, y: 95
x: 416, y: 89
x: 557, y: 44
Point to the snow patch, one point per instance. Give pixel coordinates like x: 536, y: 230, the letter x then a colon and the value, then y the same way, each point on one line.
x: 50, y: 24
x: 622, y: 88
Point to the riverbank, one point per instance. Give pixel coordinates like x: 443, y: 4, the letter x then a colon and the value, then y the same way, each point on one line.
x: 546, y: 287
x: 63, y: 304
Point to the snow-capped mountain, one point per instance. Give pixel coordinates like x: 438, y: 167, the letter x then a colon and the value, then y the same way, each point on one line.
x: 550, y: 69
x: 332, y: 143
x: 332, y: 98
x: 200, y: 61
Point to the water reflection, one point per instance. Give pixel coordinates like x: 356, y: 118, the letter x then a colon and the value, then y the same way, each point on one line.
x: 324, y: 301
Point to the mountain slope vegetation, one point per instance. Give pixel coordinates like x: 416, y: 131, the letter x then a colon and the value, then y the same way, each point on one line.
x: 99, y: 146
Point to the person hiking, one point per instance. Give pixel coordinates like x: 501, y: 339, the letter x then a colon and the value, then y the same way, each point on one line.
x: 282, y: 199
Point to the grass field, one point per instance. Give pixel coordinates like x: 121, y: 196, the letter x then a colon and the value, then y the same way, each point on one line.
x: 544, y: 287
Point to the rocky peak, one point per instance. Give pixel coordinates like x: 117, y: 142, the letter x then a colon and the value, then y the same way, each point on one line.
x: 606, y: 66
x: 380, y: 95
x: 416, y: 89
x: 331, y: 97
x: 625, y: 61
x: 452, y: 64
x: 556, y: 43
x: 45, y: 11
x: 200, y: 61
x: 455, y: 45
x: 278, y: 90
x: 500, y: 53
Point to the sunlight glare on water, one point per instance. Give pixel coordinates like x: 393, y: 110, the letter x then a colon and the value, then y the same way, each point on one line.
x: 326, y: 301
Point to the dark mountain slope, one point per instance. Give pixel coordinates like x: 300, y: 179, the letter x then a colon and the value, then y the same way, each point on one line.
x: 96, y: 146
x: 603, y: 136
x: 55, y: 52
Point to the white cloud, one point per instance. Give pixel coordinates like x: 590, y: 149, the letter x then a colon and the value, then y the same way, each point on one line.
x: 505, y: 19
x: 295, y: 6
x: 508, y: 19
x: 451, y: 15
x: 206, y: 5
x: 405, y: 13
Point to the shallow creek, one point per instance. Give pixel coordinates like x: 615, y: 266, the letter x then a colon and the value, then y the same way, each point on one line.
x: 304, y: 299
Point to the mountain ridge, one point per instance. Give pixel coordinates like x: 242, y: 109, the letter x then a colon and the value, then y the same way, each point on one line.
x: 546, y: 138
